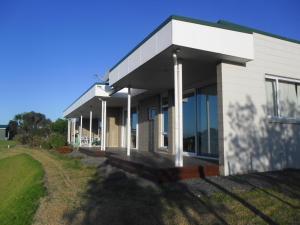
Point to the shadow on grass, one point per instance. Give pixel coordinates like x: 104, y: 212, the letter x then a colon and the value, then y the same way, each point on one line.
x: 116, y: 197
x: 284, y: 182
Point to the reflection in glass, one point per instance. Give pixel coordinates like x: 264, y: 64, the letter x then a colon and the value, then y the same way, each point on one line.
x: 165, y: 126
x: 207, y: 127
x: 134, y: 122
x: 189, y: 125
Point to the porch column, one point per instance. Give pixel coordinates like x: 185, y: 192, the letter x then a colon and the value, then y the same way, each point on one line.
x: 69, y: 131
x: 103, y: 125
x: 80, y: 131
x: 178, y: 124
x: 128, y: 121
x: 74, y: 130
x: 91, y: 123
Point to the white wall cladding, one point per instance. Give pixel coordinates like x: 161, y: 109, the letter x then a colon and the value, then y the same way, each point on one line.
x: 153, y: 46
x: 191, y: 35
x: 213, y: 39
x: 251, y: 141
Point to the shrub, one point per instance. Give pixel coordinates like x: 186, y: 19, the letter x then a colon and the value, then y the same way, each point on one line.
x: 46, y: 145
x: 57, y: 140
x: 22, y: 138
x: 37, y: 141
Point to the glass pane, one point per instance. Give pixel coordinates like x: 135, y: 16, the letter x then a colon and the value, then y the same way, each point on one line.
x: 189, y: 124
x: 213, y: 120
x: 134, y: 121
x: 298, y: 100
x: 207, y: 128
x: 271, y: 97
x: 202, y: 128
x: 165, y: 125
x: 288, y: 99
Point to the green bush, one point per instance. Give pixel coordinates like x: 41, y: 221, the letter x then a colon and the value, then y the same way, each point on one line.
x: 46, y: 145
x: 22, y: 138
x: 57, y: 140
x: 37, y: 141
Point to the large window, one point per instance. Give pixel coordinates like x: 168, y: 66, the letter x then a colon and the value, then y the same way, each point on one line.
x: 189, y: 118
x: 207, y: 127
x: 134, y: 127
x: 283, y: 97
x: 165, y: 121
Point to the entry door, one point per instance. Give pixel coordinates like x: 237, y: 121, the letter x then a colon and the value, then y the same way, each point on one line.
x: 151, y: 118
x: 134, y: 127
x: 189, y: 122
x: 207, y: 129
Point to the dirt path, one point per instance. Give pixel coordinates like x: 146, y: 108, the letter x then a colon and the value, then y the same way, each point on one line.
x: 64, y: 186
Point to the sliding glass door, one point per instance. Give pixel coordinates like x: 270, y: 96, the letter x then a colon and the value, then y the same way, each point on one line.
x: 189, y: 125
x: 207, y: 121
x: 200, y: 122
x: 134, y: 127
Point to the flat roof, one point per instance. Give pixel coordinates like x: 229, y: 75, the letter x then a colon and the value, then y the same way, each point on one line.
x: 223, y: 24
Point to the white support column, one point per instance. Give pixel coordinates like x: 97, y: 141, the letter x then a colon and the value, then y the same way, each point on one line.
x: 69, y: 131
x: 128, y: 121
x: 178, y: 126
x: 104, y: 125
x: 91, y: 123
x: 74, y: 130
x: 80, y: 131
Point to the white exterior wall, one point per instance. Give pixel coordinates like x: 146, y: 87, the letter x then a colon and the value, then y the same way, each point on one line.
x: 251, y: 141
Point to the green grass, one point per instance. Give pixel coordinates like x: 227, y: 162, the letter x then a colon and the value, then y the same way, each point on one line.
x: 4, y: 144
x: 21, y: 187
x: 68, y: 163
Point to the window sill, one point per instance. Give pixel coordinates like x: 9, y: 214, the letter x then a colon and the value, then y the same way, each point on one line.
x: 284, y: 120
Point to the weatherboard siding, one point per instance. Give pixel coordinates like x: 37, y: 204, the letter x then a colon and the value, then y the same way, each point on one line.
x: 251, y: 141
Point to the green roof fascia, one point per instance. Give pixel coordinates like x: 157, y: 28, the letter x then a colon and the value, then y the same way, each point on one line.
x: 242, y: 28
x: 97, y: 83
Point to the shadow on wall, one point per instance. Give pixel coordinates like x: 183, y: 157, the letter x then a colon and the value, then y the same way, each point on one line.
x: 255, y: 143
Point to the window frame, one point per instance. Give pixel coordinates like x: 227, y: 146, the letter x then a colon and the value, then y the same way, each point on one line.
x: 162, y: 132
x: 278, y: 117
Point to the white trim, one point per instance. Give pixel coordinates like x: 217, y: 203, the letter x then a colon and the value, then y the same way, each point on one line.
x: 227, y: 44
x: 278, y: 118
x: 178, y: 112
x: 162, y: 120
x: 80, y: 131
x: 91, y: 124
x: 128, y: 121
x: 278, y: 77
x: 69, y: 131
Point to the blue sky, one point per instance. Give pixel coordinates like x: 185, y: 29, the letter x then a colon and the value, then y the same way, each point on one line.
x: 50, y: 50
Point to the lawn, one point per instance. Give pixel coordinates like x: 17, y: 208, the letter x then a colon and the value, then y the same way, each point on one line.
x: 79, y: 194
x: 21, y: 187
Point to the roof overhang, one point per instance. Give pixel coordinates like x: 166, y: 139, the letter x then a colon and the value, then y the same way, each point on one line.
x: 206, y: 38
x: 91, y: 100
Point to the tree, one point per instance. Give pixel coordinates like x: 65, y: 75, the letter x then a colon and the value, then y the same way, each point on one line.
x: 12, y: 129
x: 60, y: 126
x: 32, y: 127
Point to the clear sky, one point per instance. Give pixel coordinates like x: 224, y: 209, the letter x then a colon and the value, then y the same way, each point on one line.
x: 50, y: 50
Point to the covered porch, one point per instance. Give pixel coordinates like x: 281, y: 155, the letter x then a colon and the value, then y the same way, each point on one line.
x: 156, y: 166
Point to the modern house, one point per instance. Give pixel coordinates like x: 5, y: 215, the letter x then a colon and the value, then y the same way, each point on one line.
x: 4, y: 133
x: 216, y: 91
